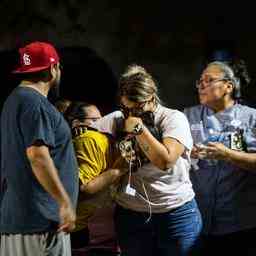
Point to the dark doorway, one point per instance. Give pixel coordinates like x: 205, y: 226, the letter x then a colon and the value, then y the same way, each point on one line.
x: 85, y: 77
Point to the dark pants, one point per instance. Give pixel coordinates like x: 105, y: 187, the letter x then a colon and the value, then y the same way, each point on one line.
x: 80, y: 239
x: 173, y: 233
x: 238, y: 243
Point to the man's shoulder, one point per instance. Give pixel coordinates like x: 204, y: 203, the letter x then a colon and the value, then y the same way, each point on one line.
x: 195, y: 112
x: 34, y: 101
x: 29, y: 98
x: 246, y: 109
x: 20, y: 101
x: 246, y: 114
x: 27, y: 93
x: 193, y: 109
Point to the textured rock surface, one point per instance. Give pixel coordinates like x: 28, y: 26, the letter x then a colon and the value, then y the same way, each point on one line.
x: 170, y: 43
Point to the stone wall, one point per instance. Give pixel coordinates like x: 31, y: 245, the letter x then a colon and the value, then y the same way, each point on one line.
x: 170, y: 43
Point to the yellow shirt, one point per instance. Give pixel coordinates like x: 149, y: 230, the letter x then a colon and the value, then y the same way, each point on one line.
x: 92, y: 150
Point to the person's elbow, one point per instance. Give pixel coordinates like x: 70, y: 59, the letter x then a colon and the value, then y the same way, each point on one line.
x: 166, y: 164
x: 167, y: 161
x: 37, y: 154
x: 88, y: 189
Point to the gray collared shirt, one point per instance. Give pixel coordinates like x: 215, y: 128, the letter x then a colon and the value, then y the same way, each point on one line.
x: 226, y: 194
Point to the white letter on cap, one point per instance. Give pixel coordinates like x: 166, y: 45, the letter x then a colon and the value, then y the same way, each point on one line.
x: 26, y: 59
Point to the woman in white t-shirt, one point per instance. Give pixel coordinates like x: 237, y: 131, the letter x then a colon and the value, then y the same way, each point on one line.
x: 156, y: 212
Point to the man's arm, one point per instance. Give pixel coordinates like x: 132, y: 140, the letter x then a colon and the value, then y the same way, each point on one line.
x: 101, y: 182
x: 163, y: 155
x: 244, y: 160
x: 44, y: 169
x: 105, y: 179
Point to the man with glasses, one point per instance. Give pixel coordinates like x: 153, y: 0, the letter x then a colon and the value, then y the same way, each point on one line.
x: 224, y: 178
x: 208, y: 82
x: 82, y: 113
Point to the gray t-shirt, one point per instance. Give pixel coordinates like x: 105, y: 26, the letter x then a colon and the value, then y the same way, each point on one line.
x: 28, y: 116
x: 226, y: 194
x: 167, y: 189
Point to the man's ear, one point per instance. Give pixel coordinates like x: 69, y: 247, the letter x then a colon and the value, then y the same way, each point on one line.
x: 75, y: 123
x: 230, y: 87
x: 53, y: 70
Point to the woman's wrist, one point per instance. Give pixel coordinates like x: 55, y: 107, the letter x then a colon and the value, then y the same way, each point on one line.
x: 138, y: 129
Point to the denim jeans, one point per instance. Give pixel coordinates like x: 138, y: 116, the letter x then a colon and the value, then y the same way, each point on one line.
x: 176, y: 232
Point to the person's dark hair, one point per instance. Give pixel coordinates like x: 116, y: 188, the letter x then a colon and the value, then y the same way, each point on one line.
x: 43, y: 75
x: 62, y: 105
x: 240, y: 69
x: 76, y: 111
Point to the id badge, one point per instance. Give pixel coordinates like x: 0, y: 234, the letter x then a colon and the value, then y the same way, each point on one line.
x: 236, y: 141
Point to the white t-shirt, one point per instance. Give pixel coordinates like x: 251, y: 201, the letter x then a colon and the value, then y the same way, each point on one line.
x: 165, y: 189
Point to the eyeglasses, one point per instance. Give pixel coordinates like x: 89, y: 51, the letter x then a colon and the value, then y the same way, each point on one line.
x: 94, y: 119
x: 134, y: 111
x: 208, y: 83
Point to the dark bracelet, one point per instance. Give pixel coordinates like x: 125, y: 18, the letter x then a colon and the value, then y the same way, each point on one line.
x: 138, y: 129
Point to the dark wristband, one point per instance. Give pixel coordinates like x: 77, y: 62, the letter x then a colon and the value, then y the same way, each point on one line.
x: 138, y: 129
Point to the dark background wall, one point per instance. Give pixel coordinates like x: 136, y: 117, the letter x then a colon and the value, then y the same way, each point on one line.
x: 97, y: 39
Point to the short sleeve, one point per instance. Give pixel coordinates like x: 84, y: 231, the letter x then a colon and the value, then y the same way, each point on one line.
x: 175, y: 125
x: 91, y: 158
x: 37, y: 124
x: 107, y: 124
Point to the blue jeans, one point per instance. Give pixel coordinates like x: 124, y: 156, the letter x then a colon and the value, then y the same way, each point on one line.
x: 176, y: 232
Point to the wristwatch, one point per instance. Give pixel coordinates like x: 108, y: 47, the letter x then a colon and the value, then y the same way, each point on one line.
x: 138, y: 129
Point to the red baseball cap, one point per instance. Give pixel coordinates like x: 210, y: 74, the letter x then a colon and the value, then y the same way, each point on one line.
x: 36, y: 56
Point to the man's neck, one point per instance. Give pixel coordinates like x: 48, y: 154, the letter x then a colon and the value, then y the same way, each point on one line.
x: 42, y: 88
x: 223, y: 105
